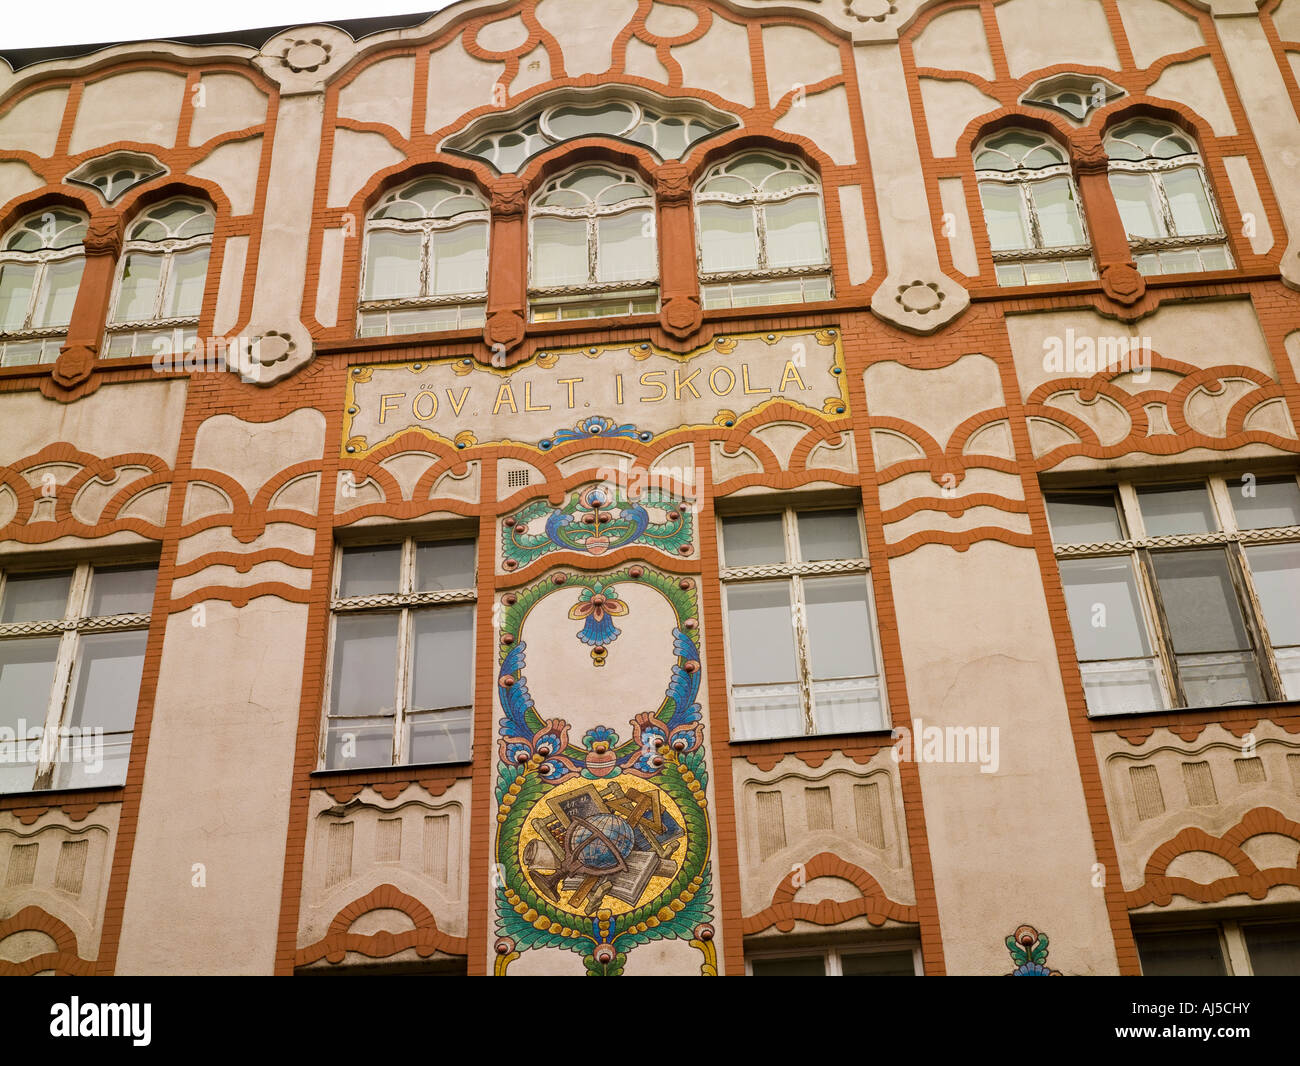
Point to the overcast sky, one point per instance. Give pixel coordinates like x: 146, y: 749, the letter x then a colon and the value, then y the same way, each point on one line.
x: 27, y: 24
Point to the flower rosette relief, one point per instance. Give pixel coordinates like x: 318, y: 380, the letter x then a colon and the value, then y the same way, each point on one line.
x: 603, y: 844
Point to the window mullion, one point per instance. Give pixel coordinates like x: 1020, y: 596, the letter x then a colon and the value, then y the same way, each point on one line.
x: 1253, y: 616
x: 38, y: 282
x: 1166, y: 211
x: 164, y: 279
x: 834, y: 967
x: 1233, y: 942
x: 403, y: 687
x: 760, y: 229
x: 1031, y: 213
x: 593, y: 249
x: 426, y: 261
x: 1162, y: 638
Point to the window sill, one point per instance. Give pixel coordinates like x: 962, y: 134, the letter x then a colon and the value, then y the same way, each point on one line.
x: 403, y: 772
x: 43, y: 370
x: 988, y: 292
x: 818, y: 739
x: 53, y: 797
x: 1237, y: 711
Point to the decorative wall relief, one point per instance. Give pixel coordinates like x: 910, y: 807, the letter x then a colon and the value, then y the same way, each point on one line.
x: 1028, y: 949
x: 603, y: 845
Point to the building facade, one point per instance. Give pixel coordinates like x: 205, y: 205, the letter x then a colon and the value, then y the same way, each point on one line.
x: 712, y: 487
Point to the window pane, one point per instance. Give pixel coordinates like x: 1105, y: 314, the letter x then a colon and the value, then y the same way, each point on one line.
x: 627, y: 247
x: 728, y: 238
x: 16, y: 281
x: 1058, y: 212
x: 1188, y: 200
x: 1187, y: 953
x: 839, y: 627
x: 370, y: 571
x: 879, y: 964
x: 1048, y: 272
x: 1090, y: 518
x: 138, y: 293
x: 441, y: 737
x: 188, y: 274
x: 1274, y: 949
x: 811, y: 966
x: 122, y: 590
x: 359, y: 742
x: 1180, y: 509
x: 1138, y: 207
x: 1184, y: 262
x: 1276, y: 570
x: 392, y: 265
x: 794, y: 233
x: 1205, y: 623
x: 1010, y: 274
x: 829, y: 535
x: 1006, y: 218
x: 443, y: 658
x: 365, y: 665
x: 460, y: 260
x: 444, y: 564
x: 105, y: 690
x: 1274, y: 503
x: 35, y: 597
x: 58, y: 293
x: 560, y: 252
x: 764, y: 679
x: 26, y: 674
x: 753, y: 540
x: 1105, y: 612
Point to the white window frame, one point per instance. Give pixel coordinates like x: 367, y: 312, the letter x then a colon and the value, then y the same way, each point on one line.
x: 600, y: 298
x: 793, y: 574
x: 71, y: 625
x: 463, y: 303
x: 1137, y: 546
x: 758, y: 202
x: 833, y: 957
x: 41, y: 258
x: 184, y: 327
x: 1023, y: 181
x: 406, y: 601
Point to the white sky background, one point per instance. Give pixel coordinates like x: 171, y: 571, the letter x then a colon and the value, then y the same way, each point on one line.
x: 25, y: 24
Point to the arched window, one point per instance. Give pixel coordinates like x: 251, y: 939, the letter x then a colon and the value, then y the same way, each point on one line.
x: 425, y: 262
x: 593, y: 248
x: 1032, y: 211
x: 160, y: 280
x: 41, y: 260
x: 1159, y: 182
x: 762, y: 233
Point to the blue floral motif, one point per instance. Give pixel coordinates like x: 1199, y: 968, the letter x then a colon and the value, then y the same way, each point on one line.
x: 594, y: 426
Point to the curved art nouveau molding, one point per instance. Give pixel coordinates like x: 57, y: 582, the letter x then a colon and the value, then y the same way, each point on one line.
x: 872, y: 904
x: 65, y: 961
x: 426, y: 938
x: 1249, y: 879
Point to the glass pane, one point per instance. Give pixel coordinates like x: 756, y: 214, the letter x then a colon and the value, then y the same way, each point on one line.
x: 1138, y: 206
x: 16, y: 280
x: 35, y: 597
x: 811, y: 966
x: 627, y: 247
x: 1272, y: 503
x: 138, y: 293
x: 58, y: 293
x: 829, y: 535
x: 122, y: 590
x: 443, y: 657
x: 188, y: 275
x: 392, y: 265
x: 1010, y: 274
x: 371, y: 570
x: 1084, y: 518
x: 559, y: 252
x: 365, y: 665
x: 444, y: 564
x: 441, y: 737
x: 728, y: 238
x: 460, y: 260
x: 879, y: 964
x: 848, y: 705
x: 1006, y: 218
x: 1080, y: 270
x: 1101, y: 596
x: 1215, y: 257
x: 1178, y: 509
x: 794, y: 233
x: 1187, y: 953
x: 753, y: 540
x: 1046, y: 272
x: 1125, y: 686
x: 761, y: 633
x: 359, y: 742
x: 1058, y: 212
x: 1276, y: 569
x: 106, y: 680
x: 26, y: 674
x: 96, y: 761
x: 1185, y: 262
x: 1274, y: 949
x: 839, y: 627
x: 1185, y: 191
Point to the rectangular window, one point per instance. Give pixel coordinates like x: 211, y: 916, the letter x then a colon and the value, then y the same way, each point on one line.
x: 1247, y: 948
x: 897, y: 960
x: 72, y: 645
x: 402, y: 655
x: 801, y: 633
x: 1182, y: 595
